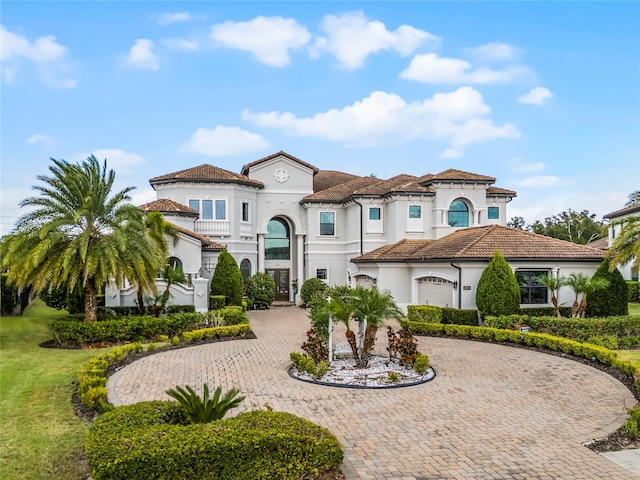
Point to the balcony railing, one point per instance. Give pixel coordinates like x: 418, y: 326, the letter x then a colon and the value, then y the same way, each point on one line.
x: 218, y: 228
x: 246, y: 230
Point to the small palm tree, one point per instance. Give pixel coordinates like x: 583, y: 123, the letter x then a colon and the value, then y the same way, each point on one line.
x: 554, y: 283
x: 582, y: 286
x: 204, y: 409
x: 341, y: 310
x: 172, y: 276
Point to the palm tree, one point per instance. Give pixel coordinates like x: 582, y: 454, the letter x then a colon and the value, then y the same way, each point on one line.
x: 633, y: 199
x: 553, y: 283
x: 172, y: 276
x: 626, y: 247
x: 341, y: 310
x: 78, y: 233
x: 582, y: 286
x: 372, y: 307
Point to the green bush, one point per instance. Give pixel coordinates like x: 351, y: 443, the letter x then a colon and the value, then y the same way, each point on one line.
x: 544, y: 311
x: 632, y: 426
x: 205, y: 409
x: 9, y: 299
x: 217, y: 302
x: 634, y: 291
x: 261, y: 290
x: 610, y: 301
x: 150, y: 440
x: 459, y: 316
x: 498, y: 292
x: 227, y: 280
x: 305, y: 363
x: 171, y: 309
x: 424, y: 313
x: 313, y: 288
x: 216, y: 332
x: 421, y: 363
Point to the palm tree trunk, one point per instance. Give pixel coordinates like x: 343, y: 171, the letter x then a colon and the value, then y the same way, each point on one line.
x: 369, y: 340
x: 574, y: 308
x: 583, y: 307
x: 90, y: 303
x: 351, y: 338
x: 556, y: 308
x: 141, y: 308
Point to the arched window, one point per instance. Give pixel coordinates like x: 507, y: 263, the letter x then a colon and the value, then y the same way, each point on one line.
x: 276, y: 241
x: 245, y: 269
x: 458, y: 214
x: 175, y: 263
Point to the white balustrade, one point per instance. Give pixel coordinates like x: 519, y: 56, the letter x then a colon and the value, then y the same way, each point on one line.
x: 213, y: 227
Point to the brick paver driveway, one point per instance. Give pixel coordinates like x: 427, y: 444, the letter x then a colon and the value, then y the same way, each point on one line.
x: 492, y: 412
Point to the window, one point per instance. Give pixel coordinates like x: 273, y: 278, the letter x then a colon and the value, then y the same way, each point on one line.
x: 277, y: 240
x: 415, y: 211
x: 245, y: 212
x: 321, y: 273
x: 634, y: 274
x: 205, y: 208
x: 245, y: 269
x: 532, y: 291
x: 374, y: 213
x: 458, y: 214
x: 221, y: 210
x: 327, y: 223
x: 195, y: 204
x: 493, y: 213
x: 175, y: 263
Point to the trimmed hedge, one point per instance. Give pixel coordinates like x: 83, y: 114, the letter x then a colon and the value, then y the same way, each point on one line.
x: 132, y: 311
x: 545, y: 311
x: 634, y: 291
x: 216, y: 332
x: 151, y: 440
x: 433, y: 314
x: 216, y: 302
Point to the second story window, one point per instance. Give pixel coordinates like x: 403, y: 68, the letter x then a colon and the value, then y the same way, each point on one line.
x: 245, y: 212
x: 206, y: 208
x: 415, y: 211
x: 493, y: 213
x: 327, y: 223
x: 458, y: 214
x: 374, y: 213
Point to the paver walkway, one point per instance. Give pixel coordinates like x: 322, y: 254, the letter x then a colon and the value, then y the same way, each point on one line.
x: 492, y: 412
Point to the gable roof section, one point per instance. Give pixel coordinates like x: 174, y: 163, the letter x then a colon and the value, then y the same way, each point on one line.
x: 491, y: 190
x: 459, y: 176
x: 402, y: 183
x: 165, y: 205
x: 622, y: 212
x: 205, y: 174
x: 341, y: 193
x: 330, y: 178
x: 479, y: 243
x: 207, y: 244
x: 281, y: 153
x: 600, y: 244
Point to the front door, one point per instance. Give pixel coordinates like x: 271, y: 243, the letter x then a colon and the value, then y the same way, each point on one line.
x: 281, y: 277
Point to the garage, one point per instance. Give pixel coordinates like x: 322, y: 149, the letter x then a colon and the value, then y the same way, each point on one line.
x: 364, y: 281
x: 435, y: 291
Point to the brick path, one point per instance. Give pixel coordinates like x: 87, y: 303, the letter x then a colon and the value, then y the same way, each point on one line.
x: 492, y: 412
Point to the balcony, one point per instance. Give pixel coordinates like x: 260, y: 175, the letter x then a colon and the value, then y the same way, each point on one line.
x: 213, y: 228
x: 246, y: 229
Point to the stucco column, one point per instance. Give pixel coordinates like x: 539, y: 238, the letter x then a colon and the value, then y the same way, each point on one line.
x: 300, y: 259
x: 445, y: 213
x: 261, y: 252
x: 555, y: 271
x: 476, y: 218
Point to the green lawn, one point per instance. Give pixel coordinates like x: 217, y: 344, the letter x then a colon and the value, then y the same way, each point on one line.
x: 40, y: 437
x: 634, y: 309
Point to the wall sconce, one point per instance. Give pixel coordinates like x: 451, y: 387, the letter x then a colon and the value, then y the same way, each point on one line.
x: 209, y: 266
x: 455, y: 285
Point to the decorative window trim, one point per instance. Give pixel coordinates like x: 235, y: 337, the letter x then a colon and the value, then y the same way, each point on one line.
x: 335, y: 227
x: 248, y: 204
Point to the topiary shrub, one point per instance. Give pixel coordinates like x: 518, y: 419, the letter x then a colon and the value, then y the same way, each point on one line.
x: 216, y: 302
x: 313, y: 288
x: 424, y: 313
x: 459, y: 316
x: 154, y: 440
x: 498, y: 292
x: 227, y: 280
x: 261, y: 290
x: 421, y: 363
x: 634, y: 291
x: 610, y: 301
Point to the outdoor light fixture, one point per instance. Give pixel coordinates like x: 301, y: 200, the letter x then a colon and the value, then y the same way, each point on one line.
x: 209, y: 266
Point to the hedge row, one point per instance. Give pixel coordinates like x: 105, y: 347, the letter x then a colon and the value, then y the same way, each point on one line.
x: 634, y: 291
x: 545, y: 311
x: 433, y: 314
x: 216, y: 332
x: 540, y: 340
x: 152, y: 440
x: 575, y: 328
x: 106, y: 312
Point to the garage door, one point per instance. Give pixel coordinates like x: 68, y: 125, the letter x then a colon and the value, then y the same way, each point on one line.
x: 364, y: 281
x: 435, y: 291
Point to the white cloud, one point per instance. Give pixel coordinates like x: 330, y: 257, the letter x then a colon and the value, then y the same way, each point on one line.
x: 221, y: 141
x: 352, y: 38
x: 451, y: 153
x: 386, y: 119
x: 268, y: 38
x: 536, y: 96
x: 46, y: 53
x: 526, y: 167
x: 430, y: 68
x: 490, y: 52
x: 543, y: 181
x: 167, y: 18
x: 33, y: 139
x: 140, y: 197
x: 118, y: 160
x: 141, y: 55
x: 176, y: 43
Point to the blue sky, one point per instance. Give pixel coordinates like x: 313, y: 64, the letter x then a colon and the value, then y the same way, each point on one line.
x: 544, y: 96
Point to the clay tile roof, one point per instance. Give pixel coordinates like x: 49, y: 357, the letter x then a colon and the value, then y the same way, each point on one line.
x: 245, y: 168
x: 481, y: 242
x: 397, y: 251
x: 340, y: 193
x: 207, y: 244
x: 500, y: 191
x: 205, y: 173
x: 330, y: 178
x: 165, y: 205
x: 600, y: 244
x: 453, y: 175
x: 387, y: 186
x: 622, y: 212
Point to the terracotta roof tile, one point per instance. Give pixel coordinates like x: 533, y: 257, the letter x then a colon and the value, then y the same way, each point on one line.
x: 454, y: 175
x: 480, y: 243
x: 386, y: 186
x: 500, y: 191
x: 205, y: 173
x: 245, y: 168
x: 166, y: 205
x: 622, y: 212
x: 397, y: 251
x: 342, y: 192
x: 330, y: 178
x: 207, y: 244
x: 600, y: 244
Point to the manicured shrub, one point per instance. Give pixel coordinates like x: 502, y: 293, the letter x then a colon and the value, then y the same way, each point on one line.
x: 459, y: 316
x: 612, y: 300
x: 632, y: 426
x: 313, y: 288
x: 216, y: 332
x: 227, y: 280
x: 205, y: 409
x: 217, y: 302
x: 634, y: 291
x: 9, y: 299
x: 545, y: 311
x: 421, y: 363
x: 424, y: 313
x: 261, y: 290
x: 498, y: 292
x: 305, y: 363
x: 170, y: 309
x: 151, y: 440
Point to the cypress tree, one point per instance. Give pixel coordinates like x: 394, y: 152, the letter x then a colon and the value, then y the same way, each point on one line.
x: 227, y: 280
x: 498, y: 292
x: 610, y: 301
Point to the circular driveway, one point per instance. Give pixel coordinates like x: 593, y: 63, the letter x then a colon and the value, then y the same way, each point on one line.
x: 492, y: 412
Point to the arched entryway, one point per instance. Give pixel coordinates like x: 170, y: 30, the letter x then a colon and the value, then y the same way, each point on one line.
x: 277, y: 256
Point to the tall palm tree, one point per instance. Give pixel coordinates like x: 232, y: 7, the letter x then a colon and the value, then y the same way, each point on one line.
x: 341, y: 310
x: 626, y: 247
x: 78, y: 233
x: 582, y: 286
x: 553, y: 283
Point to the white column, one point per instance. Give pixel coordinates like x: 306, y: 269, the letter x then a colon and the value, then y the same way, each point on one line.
x: 445, y: 213
x: 476, y: 217
x: 261, y: 252
x: 300, y: 259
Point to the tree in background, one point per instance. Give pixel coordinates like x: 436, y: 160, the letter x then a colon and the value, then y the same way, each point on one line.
x: 582, y: 287
x: 227, y: 279
x: 517, y: 223
x: 78, y: 233
x: 577, y: 227
x: 614, y: 299
x: 633, y: 200
x: 498, y: 292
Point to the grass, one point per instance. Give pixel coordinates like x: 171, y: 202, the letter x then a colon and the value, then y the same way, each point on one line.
x: 40, y: 437
x: 634, y: 309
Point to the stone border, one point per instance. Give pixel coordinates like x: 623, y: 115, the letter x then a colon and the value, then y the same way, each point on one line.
x: 427, y: 377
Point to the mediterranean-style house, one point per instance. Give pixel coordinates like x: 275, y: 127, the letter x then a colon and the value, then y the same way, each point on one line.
x: 615, y: 226
x: 425, y: 238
